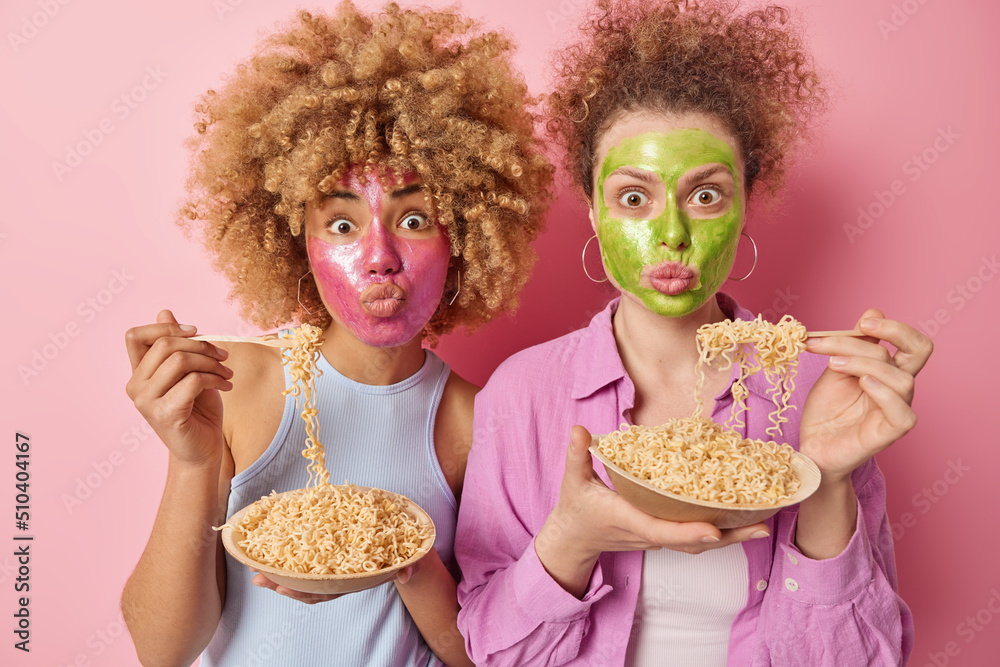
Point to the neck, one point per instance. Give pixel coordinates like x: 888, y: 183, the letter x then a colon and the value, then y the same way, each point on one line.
x: 370, y: 365
x: 648, y: 340
x: 660, y: 355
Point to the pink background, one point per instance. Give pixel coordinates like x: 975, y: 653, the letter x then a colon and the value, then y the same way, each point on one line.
x: 97, y: 476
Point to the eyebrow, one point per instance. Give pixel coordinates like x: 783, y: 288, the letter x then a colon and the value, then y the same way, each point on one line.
x: 706, y: 172
x: 342, y: 194
x: 638, y: 174
x: 395, y: 194
x: 407, y: 190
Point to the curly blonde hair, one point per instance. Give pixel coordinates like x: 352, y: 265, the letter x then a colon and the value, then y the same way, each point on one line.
x: 418, y: 91
x: 749, y: 70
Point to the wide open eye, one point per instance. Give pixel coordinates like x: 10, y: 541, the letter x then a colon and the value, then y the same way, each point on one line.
x: 706, y: 196
x: 633, y: 199
x: 341, y: 226
x: 415, y: 222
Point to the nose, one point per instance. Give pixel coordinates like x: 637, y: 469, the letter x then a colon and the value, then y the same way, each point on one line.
x: 380, y: 255
x: 674, y: 227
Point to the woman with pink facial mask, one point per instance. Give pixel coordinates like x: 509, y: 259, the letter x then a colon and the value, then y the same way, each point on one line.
x: 375, y: 176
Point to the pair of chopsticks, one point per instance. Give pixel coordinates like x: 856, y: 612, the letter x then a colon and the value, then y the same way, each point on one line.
x: 273, y: 340
x: 825, y: 334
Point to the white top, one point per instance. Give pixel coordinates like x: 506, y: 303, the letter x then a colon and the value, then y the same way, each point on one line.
x: 687, y: 604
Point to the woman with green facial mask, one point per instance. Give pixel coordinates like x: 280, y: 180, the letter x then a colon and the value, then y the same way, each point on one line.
x: 672, y: 116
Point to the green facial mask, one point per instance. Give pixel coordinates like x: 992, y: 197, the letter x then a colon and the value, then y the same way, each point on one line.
x: 629, y: 244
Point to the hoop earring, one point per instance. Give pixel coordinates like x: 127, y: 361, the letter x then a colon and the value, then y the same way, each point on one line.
x: 458, y: 286
x: 754, y: 258
x: 298, y: 294
x: 583, y: 258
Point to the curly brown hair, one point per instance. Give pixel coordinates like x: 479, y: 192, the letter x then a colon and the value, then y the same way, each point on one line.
x: 748, y: 70
x: 420, y: 91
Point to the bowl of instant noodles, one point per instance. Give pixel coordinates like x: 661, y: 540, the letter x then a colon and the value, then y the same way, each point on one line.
x: 330, y: 539
x: 696, y: 470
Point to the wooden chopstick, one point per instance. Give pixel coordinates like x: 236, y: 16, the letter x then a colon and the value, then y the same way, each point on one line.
x: 823, y: 334
x: 271, y: 340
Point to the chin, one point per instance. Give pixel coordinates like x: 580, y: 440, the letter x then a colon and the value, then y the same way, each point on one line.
x: 678, y: 305
x: 386, y: 339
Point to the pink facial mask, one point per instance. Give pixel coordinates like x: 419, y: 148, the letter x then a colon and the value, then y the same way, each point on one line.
x: 384, y: 286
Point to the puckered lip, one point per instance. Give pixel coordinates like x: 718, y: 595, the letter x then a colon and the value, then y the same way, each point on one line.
x: 670, y: 278
x: 383, y: 299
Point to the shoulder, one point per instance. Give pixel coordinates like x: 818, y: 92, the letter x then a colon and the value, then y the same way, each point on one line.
x: 541, y: 363
x: 255, y: 403
x: 453, y: 429
x: 252, y: 365
x: 457, y: 401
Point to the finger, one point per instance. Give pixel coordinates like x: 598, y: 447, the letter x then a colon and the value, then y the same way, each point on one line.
x: 896, y: 379
x: 306, y: 598
x: 695, y: 537
x: 261, y: 581
x: 736, y: 535
x: 913, y: 348
x: 177, y: 366
x: 850, y: 346
x: 678, y: 535
x: 404, y: 575
x: 163, y: 347
x: 899, y: 416
x: 138, y: 340
x: 579, y: 464
x: 190, y: 387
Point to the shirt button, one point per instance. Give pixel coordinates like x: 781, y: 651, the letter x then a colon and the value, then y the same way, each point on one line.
x: 761, y: 585
x: 791, y: 584
x: 795, y: 561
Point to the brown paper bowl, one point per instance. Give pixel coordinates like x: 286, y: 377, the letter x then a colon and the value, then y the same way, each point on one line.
x: 666, y: 505
x: 330, y: 583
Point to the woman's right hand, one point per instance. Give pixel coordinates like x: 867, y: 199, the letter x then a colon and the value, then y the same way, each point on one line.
x: 175, y: 385
x: 589, y: 519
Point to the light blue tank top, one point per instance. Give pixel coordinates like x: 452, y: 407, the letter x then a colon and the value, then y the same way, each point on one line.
x: 380, y: 436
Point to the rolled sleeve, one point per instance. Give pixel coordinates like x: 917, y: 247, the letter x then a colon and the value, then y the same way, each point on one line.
x: 843, y: 610
x: 829, y: 581
x: 535, y: 589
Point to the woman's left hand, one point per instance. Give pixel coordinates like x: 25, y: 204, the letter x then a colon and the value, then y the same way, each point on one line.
x: 861, y: 404
x: 261, y: 581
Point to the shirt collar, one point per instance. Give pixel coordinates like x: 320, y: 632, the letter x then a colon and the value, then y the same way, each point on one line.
x: 597, y: 363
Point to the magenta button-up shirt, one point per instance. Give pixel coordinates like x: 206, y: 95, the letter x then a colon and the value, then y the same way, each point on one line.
x: 839, y: 612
